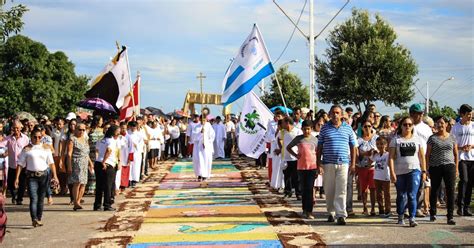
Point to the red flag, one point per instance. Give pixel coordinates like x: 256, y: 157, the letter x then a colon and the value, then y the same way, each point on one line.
x: 131, y: 105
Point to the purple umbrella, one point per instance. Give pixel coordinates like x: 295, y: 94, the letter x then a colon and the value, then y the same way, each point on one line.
x: 96, y: 104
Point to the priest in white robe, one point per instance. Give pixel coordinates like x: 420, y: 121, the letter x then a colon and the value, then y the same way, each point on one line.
x: 219, y: 141
x: 203, y: 148
x: 137, y: 144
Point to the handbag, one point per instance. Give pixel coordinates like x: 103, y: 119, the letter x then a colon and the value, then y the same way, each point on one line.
x: 130, y: 156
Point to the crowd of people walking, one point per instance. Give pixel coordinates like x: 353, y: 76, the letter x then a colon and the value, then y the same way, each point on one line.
x: 328, y: 153
x: 74, y: 157
x: 342, y: 151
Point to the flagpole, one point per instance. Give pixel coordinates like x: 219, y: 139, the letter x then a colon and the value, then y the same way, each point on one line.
x: 138, y: 96
x: 281, y: 94
x: 276, y: 72
x: 131, y: 86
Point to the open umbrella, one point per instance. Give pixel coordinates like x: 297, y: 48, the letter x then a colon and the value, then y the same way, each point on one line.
x: 25, y: 115
x: 145, y: 112
x: 96, y: 104
x: 156, y: 111
x: 178, y: 114
x: 282, y: 109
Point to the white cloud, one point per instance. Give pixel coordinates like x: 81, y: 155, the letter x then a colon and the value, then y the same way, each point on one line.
x: 171, y: 41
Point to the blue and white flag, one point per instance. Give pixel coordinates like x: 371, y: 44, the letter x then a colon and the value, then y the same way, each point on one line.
x: 249, y: 67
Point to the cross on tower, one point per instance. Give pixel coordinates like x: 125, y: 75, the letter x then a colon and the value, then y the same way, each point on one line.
x: 201, y: 77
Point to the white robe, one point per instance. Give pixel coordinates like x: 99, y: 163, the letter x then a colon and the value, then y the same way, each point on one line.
x: 136, y: 147
x: 219, y: 141
x: 203, y: 149
x: 123, y: 143
x: 277, y: 180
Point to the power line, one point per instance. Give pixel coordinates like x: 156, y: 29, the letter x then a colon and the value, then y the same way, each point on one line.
x: 292, y: 33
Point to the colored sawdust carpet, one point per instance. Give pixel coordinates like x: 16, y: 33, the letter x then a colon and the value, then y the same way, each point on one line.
x: 220, y: 212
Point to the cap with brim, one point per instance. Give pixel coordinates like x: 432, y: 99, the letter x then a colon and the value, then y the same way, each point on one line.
x: 417, y: 108
x: 70, y: 116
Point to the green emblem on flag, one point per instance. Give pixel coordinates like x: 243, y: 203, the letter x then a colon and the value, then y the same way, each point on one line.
x: 250, y: 119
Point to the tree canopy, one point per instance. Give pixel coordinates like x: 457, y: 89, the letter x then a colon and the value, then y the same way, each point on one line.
x: 296, y: 95
x: 10, y: 20
x: 365, y: 64
x: 37, y: 81
x: 446, y: 111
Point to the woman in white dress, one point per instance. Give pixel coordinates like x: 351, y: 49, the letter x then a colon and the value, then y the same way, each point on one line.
x: 203, y: 149
x: 318, y: 183
x: 277, y: 181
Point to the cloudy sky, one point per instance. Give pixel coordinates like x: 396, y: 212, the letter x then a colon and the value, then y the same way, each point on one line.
x: 170, y: 42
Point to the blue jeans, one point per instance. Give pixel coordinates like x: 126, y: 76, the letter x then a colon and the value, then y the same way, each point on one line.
x: 49, y: 192
x: 37, y: 192
x: 407, y: 187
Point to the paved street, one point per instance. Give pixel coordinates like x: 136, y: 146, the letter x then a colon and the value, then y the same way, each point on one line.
x: 234, y: 208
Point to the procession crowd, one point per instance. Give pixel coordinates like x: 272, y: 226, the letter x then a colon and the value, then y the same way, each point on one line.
x: 331, y: 152
x: 71, y: 156
x: 307, y: 153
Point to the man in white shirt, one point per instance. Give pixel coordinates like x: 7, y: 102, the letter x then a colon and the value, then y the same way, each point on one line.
x: 35, y: 159
x: 270, y: 137
x: 230, y: 135
x: 463, y: 131
x: 136, y: 148
x: 422, y: 131
x: 189, y: 133
x: 154, y: 143
x: 291, y: 172
x: 219, y: 141
x: 143, y: 129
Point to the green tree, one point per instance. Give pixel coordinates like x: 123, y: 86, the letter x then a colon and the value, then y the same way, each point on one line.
x: 365, y: 64
x: 296, y: 95
x: 10, y: 20
x: 436, y: 110
x: 37, y: 81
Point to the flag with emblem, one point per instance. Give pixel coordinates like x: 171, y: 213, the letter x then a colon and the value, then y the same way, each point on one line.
x: 252, y: 126
x: 250, y: 65
x: 131, y: 105
x: 113, y: 82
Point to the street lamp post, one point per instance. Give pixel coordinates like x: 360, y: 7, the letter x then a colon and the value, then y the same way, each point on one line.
x: 428, y: 93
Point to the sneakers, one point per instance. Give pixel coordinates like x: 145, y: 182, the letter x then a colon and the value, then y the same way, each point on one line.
x: 37, y: 223
x: 331, y: 218
x: 341, y: 221
x: 308, y: 215
x: 466, y: 212
x: 401, y: 221
x: 413, y: 223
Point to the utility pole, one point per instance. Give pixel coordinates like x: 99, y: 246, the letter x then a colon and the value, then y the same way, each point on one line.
x: 427, y: 107
x: 201, y: 76
x: 311, y: 56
